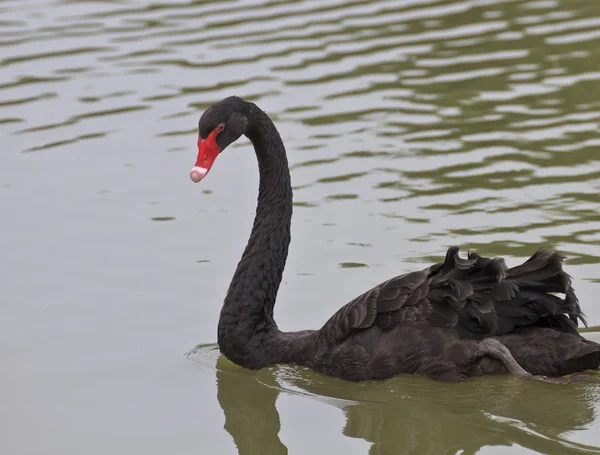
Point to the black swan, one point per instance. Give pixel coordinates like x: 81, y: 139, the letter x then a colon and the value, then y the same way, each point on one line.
x: 453, y: 320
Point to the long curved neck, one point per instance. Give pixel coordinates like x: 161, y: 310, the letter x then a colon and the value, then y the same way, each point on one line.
x: 246, y: 323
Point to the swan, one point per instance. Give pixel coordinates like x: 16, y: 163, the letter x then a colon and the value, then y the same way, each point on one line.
x: 457, y: 319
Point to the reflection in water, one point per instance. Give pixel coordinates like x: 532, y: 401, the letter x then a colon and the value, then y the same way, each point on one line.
x: 248, y: 402
x: 409, y: 414
x: 162, y: 218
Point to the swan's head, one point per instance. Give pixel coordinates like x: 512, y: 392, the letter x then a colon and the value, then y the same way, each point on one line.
x: 220, y: 125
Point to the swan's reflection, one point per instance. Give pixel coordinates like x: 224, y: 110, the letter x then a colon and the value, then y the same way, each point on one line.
x: 413, y: 414
x: 248, y: 402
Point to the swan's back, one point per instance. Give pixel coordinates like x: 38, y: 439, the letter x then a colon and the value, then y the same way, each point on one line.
x: 429, y: 322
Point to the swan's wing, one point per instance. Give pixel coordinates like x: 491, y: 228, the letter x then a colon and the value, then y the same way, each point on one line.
x: 383, y: 304
x: 476, y: 296
x: 428, y: 294
x: 503, y: 299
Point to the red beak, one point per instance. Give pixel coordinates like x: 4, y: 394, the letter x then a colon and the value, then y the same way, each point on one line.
x: 208, y: 150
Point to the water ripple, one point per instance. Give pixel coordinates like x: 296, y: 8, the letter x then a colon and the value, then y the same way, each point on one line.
x: 461, y: 111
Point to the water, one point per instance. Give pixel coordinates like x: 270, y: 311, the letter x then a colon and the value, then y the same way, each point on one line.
x: 411, y: 126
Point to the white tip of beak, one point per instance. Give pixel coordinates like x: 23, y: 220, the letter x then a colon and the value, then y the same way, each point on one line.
x: 197, y: 173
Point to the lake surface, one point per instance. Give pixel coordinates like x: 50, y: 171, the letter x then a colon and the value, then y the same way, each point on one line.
x: 411, y: 126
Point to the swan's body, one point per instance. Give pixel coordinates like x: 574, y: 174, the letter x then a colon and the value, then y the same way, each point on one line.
x: 459, y: 318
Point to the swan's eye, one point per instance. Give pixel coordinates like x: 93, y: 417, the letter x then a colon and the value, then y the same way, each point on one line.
x: 221, y: 127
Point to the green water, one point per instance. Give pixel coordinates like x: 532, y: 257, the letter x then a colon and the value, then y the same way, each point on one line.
x: 410, y: 126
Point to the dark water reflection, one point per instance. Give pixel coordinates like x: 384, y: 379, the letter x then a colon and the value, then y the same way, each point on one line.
x: 411, y: 126
x: 409, y: 414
